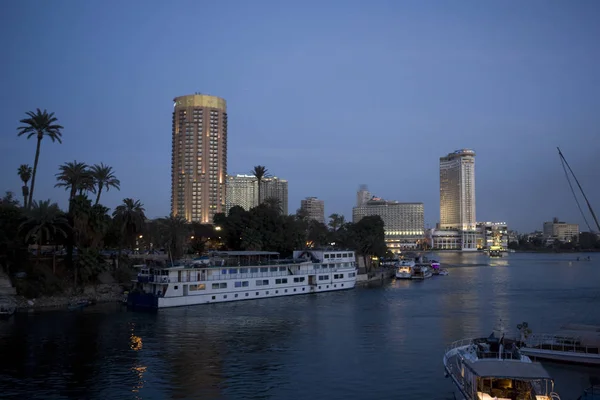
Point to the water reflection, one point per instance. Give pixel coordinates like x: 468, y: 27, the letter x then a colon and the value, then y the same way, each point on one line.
x: 324, y: 346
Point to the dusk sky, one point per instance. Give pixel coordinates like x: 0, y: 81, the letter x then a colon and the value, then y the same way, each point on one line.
x: 327, y: 94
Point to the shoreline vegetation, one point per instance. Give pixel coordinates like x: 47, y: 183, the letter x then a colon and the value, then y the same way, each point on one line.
x: 55, y: 257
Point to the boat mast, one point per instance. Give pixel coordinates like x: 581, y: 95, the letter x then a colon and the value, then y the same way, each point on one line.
x: 580, y: 188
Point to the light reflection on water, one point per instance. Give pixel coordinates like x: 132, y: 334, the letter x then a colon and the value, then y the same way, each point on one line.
x: 365, y: 343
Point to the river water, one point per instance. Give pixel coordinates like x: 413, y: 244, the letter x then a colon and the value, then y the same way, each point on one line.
x: 383, y: 342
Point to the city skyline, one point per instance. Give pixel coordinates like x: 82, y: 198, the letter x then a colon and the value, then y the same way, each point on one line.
x: 466, y: 81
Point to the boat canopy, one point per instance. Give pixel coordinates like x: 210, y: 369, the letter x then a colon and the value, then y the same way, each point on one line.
x: 507, y: 369
x: 243, y: 253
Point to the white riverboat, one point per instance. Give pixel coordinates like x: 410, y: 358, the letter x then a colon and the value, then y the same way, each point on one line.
x: 244, y: 275
x: 573, y: 343
x: 494, y: 369
x: 404, y: 269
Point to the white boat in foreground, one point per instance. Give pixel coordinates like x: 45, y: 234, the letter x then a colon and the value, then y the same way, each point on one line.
x: 572, y: 343
x: 244, y: 275
x: 491, y: 368
x: 404, y: 270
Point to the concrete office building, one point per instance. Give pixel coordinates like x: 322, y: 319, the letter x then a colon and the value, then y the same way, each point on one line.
x: 314, y: 208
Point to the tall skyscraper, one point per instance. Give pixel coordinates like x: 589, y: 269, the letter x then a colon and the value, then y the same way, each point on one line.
x: 273, y: 187
x: 457, y: 195
x: 314, y: 208
x: 199, y: 158
x: 242, y: 190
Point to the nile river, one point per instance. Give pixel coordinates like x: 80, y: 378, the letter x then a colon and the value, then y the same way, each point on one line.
x: 383, y: 342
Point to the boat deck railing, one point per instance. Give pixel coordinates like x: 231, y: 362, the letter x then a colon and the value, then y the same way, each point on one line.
x: 145, y: 278
x: 564, y: 343
x: 508, y: 353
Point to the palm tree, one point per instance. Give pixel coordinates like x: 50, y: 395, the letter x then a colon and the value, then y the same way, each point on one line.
x: 73, y: 176
x: 130, y: 217
x: 336, y: 221
x: 24, y: 172
x: 173, y: 233
x: 104, y: 177
x: 274, y: 203
x: 45, y: 221
x: 260, y: 172
x: 39, y: 124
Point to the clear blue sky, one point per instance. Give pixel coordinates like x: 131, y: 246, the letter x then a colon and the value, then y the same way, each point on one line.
x: 326, y: 94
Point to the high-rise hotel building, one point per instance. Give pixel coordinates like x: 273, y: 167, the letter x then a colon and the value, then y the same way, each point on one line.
x: 242, y: 190
x: 457, y: 196
x: 199, y: 157
x: 404, y: 223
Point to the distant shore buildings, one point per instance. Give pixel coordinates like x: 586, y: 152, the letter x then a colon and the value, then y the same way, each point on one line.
x: 199, y: 157
x: 561, y: 231
x: 242, y: 190
x: 314, y: 208
x: 404, y: 223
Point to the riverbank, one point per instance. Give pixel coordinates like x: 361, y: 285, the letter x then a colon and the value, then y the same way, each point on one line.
x: 101, y: 293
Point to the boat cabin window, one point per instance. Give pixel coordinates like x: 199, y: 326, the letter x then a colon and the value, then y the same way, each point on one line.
x: 201, y: 286
x: 273, y: 269
x: 338, y: 255
x: 326, y: 256
x: 233, y: 271
x: 264, y: 269
x: 241, y: 284
x: 253, y: 270
x: 280, y: 281
x: 223, y: 272
x: 243, y: 270
x: 262, y: 282
x: 301, y: 279
x: 222, y: 285
x: 282, y: 268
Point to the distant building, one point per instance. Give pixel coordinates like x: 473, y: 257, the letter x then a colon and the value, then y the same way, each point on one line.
x: 457, y: 198
x: 362, y: 196
x: 561, y: 231
x: 404, y: 223
x: 242, y: 190
x: 274, y: 187
x: 314, y: 208
x: 492, y: 235
x: 199, y: 157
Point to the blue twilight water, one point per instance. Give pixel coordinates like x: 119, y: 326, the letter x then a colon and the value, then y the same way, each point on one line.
x: 383, y: 342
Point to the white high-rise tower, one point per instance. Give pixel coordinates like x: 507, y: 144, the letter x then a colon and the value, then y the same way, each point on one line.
x: 457, y: 195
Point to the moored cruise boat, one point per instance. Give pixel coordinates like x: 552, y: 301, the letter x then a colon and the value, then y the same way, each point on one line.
x: 491, y: 368
x: 421, y: 271
x: 573, y: 343
x: 244, y: 275
x: 404, y: 269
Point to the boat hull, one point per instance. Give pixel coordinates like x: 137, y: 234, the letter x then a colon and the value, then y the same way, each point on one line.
x: 403, y: 275
x: 562, y: 356
x: 149, y: 301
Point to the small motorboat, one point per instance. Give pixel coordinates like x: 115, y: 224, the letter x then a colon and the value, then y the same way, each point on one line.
x: 436, y: 268
x: 494, y: 368
x: 404, y: 270
x: 79, y: 305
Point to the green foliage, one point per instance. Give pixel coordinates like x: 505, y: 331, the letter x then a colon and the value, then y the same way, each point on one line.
x: 39, y: 124
x: 264, y: 228
x: 90, y: 264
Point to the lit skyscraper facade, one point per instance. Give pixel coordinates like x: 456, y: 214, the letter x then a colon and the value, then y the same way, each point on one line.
x: 199, y: 157
x: 242, y: 190
x: 457, y: 195
x: 404, y: 223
